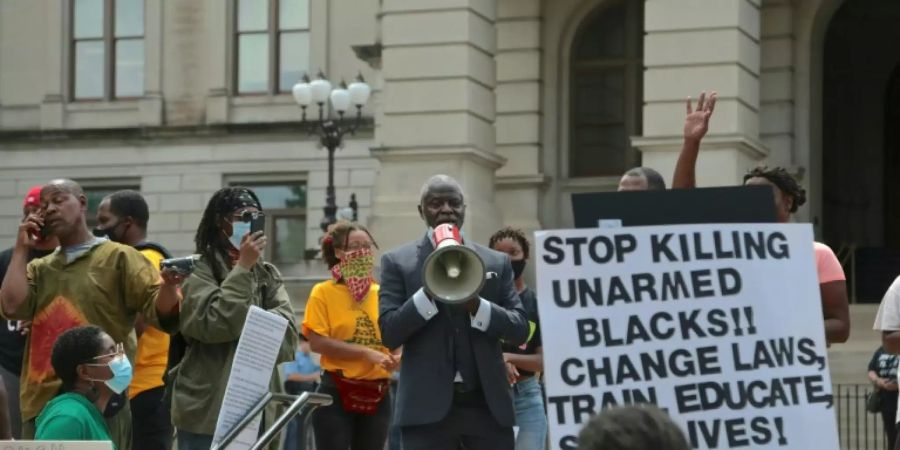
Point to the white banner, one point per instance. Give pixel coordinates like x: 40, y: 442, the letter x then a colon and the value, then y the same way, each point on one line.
x: 720, y: 325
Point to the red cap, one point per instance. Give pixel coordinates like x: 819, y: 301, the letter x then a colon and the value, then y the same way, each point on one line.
x: 33, y: 198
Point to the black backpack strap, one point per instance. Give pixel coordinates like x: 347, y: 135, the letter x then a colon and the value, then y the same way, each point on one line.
x: 153, y: 246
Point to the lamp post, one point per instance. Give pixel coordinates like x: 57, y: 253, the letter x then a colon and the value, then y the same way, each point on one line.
x: 331, y: 132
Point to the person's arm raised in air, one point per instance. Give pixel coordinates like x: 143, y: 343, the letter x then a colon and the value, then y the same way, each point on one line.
x: 696, y: 124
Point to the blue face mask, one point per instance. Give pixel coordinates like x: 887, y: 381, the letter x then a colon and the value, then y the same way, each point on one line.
x: 122, y: 374
x: 238, y: 230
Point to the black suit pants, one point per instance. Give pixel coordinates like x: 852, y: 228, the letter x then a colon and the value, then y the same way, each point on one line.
x: 469, y: 425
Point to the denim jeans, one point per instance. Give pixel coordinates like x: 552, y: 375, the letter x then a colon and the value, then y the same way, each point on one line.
x: 193, y: 441
x: 530, y: 415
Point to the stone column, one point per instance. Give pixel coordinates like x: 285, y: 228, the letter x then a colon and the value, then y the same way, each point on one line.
x: 438, y: 113
x: 218, y: 61
x: 151, y: 103
x: 520, y: 181
x: 696, y: 45
x: 57, y: 30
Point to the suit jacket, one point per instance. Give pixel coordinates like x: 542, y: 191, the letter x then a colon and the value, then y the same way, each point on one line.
x: 425, y: 392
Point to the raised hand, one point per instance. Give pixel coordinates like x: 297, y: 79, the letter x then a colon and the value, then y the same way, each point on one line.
x: 696, y: 122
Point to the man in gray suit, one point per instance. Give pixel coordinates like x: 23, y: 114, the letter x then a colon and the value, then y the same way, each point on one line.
x: 453, y: 386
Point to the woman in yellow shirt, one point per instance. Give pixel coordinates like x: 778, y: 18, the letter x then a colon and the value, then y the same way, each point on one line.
x: 341, y: 323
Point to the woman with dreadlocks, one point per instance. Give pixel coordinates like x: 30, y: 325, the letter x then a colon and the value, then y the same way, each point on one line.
x: 341, y: 323
x: 229, y: 278
x: 832, y: 283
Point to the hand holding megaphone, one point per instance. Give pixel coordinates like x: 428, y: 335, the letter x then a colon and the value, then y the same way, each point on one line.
x: 453, y: 273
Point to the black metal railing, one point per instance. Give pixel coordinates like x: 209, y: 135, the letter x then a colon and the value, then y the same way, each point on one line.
x: 858, y: 429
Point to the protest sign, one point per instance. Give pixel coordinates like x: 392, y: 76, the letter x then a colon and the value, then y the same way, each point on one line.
x: 720, y: 325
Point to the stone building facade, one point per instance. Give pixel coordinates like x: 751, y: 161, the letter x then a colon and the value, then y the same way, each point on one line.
x: 524, y: 101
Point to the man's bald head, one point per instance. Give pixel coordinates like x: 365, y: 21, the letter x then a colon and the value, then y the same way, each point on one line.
x: 642, y: 179
x: 63, y: 185
x: 64, y: 204
x: 441, y: 201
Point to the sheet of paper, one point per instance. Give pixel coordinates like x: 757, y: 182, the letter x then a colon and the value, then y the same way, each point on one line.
x: 251, y: 372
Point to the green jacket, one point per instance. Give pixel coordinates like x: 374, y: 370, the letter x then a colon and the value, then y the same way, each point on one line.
x: 212, y: 317
x: 71, y: 417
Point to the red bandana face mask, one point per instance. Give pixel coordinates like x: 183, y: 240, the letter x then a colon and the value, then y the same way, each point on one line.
x: 355, y: 269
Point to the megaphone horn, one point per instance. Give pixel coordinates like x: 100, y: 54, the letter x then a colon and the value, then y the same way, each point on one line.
x: 453, y: 273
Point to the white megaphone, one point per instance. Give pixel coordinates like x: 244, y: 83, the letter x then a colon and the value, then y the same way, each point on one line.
x: 453, y: 273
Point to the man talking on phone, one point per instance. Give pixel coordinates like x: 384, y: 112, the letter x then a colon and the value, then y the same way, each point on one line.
x: 12, y: 332
x: 87, y: 280
x: 122, y: 217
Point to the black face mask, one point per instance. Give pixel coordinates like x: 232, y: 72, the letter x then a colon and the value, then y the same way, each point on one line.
x: 518, y: 266
x: 101, y: 232
x: 107, y: 232
x: 116, y: 403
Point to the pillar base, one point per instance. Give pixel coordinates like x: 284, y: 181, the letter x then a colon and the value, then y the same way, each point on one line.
x: 395, y: 217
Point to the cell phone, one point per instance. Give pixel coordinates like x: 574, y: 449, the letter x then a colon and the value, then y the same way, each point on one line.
x: 257, y: 223
x: 41, y: 233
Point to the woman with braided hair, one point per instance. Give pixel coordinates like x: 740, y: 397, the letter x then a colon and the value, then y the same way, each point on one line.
x: 229, y: 278
x: 341, y: 323
x: 832, y: 283
x: 788, y: 197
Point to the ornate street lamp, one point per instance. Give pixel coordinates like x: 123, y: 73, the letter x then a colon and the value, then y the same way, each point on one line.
x: 330, y: 132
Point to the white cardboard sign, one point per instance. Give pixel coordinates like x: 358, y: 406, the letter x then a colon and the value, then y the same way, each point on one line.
x: 720, y: 325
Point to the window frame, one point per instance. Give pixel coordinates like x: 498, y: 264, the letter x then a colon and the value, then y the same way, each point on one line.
x: 110, y: 42
x: 631, y: 65
x: 273, y: 32
x: 272, y: 214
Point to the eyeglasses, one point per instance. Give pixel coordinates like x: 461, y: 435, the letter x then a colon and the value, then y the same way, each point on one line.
x: 353, y: 246
x: 119, y: 351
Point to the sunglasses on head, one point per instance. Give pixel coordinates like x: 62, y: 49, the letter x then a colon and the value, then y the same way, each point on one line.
x: 246, y: 216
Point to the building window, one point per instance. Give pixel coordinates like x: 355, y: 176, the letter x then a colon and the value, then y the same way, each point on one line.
x: 272, y: 45
x: 284, y: 204
x: 107, y: 49
x: 96, y: 191
x: 606, y: 96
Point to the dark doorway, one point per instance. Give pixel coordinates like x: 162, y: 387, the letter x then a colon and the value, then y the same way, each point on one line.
x: 861, y: 147
x: 892, y: 160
